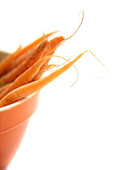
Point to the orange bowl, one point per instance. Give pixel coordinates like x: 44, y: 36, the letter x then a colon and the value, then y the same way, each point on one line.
x: 13, y: 122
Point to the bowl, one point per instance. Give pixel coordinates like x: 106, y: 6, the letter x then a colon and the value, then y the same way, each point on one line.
x: 13, y: 123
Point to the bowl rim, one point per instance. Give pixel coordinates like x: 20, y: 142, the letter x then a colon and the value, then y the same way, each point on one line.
x: 11, y: 106
x: 11, y: 109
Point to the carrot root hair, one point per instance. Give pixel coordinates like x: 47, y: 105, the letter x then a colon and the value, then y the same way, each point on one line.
x: 78, y: 26
x: 74, y: 31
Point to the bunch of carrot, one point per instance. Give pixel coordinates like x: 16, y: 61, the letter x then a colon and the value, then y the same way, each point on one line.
x: 21, y: 72
x: 25, y: 66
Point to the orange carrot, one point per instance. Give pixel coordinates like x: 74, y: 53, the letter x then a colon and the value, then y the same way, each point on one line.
x: 45, y: 67
x: 41, y: 71
x: 53, y: 45
x: 50, y: 49
x: 28, y: 50
x: 13, y: 74
x: 26, y: 77
x: 20, y: 59
x: 33, y: 87
x: 4, y: 87
x: 37, y: 42
x: 55, y: 41
x: 5, y: 65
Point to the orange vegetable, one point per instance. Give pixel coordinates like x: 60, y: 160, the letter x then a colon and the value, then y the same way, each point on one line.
x: 35, y: 86
x: 4, y: 87
x: 42, y: 50
x: 24, y: 78
x: 27, y: 76
x: 9, y: 62
x: 53, y: 45
x: 13, y: 74
x: 41, y: 71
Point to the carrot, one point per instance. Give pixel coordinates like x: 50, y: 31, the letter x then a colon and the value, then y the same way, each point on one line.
x: 45, y: 67
x: 26, y: 77
x: 50, y: 49
x: 37, y: 42
x: 4, y: 87
x: 28, y: 50
x: 56, y: 41
x: 20, y: 59
x: 33, y: 87
x: 5, y: 65
x: 53, y: 44
x: 13, y: 74
x: 32, y: 74
x: 41, y: 71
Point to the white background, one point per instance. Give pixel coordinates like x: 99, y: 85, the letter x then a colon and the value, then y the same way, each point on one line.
x: 72, y: 128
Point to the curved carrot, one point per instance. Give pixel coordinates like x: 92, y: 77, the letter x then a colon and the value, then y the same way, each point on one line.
x: 13, y: 74
x: 33, y: 87
x: 6, y: 64
x: 26, y: 77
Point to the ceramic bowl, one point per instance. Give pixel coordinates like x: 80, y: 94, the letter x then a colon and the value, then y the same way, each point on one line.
x: 13, y: 122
